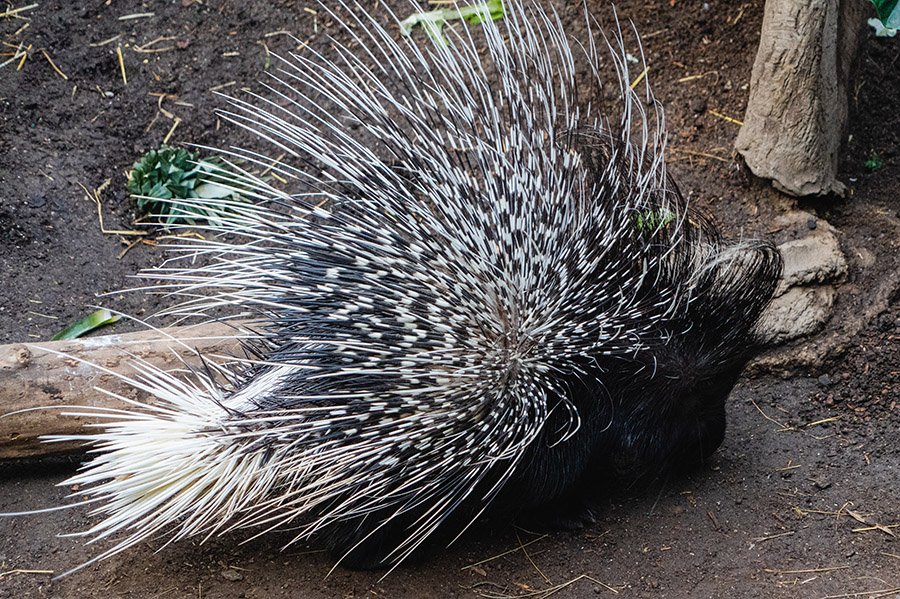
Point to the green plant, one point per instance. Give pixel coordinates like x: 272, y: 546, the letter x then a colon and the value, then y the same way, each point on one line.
x: 177, y: 187
x: 874, y: 162
x: 650, y: 221
x: 888, y: 20
x: 94, y: 320
x: 433, y: 21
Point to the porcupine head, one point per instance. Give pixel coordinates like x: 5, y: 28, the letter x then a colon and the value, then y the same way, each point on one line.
x: 486, y: 298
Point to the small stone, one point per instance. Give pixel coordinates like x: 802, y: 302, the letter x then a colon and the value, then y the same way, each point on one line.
x: 825, y: 381
x: 816, y: 258
x: 799, y: 312
x: 811, y: 222
x: 822, y: 484
x: 698, y: 105
x: 232, y: 575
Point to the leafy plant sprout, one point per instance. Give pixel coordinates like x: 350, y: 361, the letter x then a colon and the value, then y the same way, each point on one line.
x: 888, y: 19
x: 176, y: 187
x: 874, y: 162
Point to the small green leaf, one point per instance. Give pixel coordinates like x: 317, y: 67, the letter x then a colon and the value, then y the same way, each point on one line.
x: 888, y: 21
x: 650, y: 221
x: 433, y: 22
x: 874, y: 162
x: 213, y: 191
x: 888, y: 12
x: 87, y: 324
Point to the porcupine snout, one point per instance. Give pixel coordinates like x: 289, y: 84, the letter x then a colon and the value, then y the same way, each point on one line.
x: 673, y: 436
x: 679, y: 419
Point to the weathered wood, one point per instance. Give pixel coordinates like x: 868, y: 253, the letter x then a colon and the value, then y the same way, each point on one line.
x: 32, y: 377
x: 799, y: 92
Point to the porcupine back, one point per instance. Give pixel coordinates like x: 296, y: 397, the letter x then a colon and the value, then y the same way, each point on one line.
x: 490, y: 295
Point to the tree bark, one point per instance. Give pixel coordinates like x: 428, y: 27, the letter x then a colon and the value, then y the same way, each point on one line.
x: 799, y: 93
x: 32, y: 378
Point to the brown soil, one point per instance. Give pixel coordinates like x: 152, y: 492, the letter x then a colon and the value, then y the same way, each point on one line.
x: 803, y: 498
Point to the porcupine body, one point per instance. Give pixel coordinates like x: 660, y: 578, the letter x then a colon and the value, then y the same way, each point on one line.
x: 491, y: 300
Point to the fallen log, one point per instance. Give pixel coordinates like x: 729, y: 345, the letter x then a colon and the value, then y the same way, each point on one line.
x: 34, y: 376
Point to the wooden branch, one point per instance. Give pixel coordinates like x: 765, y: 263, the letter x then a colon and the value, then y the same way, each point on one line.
x: 797, y: 111
x: 31, y: 377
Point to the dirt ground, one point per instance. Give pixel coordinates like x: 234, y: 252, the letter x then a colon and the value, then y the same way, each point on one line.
x: 803, y: 498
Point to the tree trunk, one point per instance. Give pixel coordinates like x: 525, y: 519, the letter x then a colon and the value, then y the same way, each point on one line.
x: 32, y: 378
x: 797, y: 112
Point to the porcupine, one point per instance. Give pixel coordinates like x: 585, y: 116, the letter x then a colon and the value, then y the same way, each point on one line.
x: 492, y: 300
